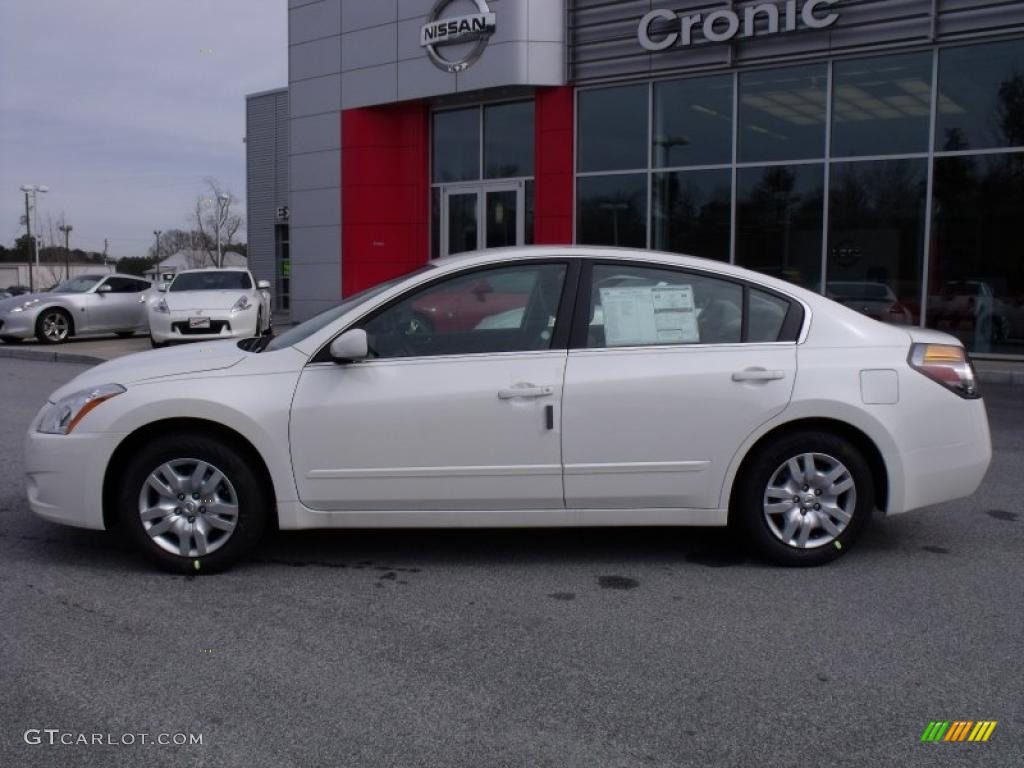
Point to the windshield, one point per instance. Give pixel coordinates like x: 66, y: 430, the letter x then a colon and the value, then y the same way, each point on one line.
x: 79, y: 284
x: 211, y: 281
x: 314, y: 324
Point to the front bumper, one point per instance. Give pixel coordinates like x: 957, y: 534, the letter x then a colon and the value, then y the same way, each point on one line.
x: 65, y: 475
x: 224, y: 324
x: 19, y: 324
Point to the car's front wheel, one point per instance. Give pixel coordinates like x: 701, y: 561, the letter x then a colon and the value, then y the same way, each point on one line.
x: 53, y: 326
x: 11, y: 339
x: 804, y: 498
x: 192, y: 504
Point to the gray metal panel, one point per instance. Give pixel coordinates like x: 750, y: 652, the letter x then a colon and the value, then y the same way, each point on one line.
x: 315, y: 95
x: 266, y: 150
x: 315, y: 58
x: 603, y: 34
x: 360, y: 14
x: 369, y: 47
x: 316, y: 133
x: 316, y: 170
x: 372, y: 85
x: 314, y: 21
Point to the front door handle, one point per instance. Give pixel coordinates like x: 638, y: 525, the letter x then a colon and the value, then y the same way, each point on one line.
x: 525, y: 390
x: 758, y: 374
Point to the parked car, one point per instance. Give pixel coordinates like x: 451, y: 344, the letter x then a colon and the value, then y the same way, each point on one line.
x: 18, y: 290
x: 5, y: 295
x: 610, y: 401
x: 875, y: 300
x: 84, y: 305
x: 205, y: 304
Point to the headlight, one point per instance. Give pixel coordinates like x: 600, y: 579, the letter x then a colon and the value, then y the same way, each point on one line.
x: 26, y: 305
x: 161, y: 306
x: 242, y: 303
x: 64, y: 415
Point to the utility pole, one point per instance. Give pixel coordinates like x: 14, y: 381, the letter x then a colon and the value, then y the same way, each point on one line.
x: 156, y: 253
x: 66, y: 229
x: 221, y: 200
x: 105, y: 246
x: 30, y: 244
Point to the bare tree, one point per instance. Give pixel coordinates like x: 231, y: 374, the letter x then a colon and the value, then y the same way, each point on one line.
x: 215, y: 220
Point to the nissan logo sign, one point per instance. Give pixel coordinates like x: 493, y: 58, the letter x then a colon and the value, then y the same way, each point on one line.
x: 723, y: 25
x: 439, y: 32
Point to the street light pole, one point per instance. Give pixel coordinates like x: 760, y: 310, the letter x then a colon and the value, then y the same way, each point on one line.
x: 66, y: 229
x: 221, y: 199
x: 156, y: 253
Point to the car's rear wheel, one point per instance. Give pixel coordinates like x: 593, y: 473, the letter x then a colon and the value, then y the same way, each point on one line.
x: 192, y: 504
x: 53, y: 326
x: 804, y: 499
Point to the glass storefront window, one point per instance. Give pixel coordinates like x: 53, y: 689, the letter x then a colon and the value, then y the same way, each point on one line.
x: 456, y: 150
x: 612, y: 132
x: 976, y: 273
x: 779, y: 212
x: 782, y: 114
x: 508, y: 140
x: 881, y: 106
x: 981, y: 97
x: 693, y: 121
x: 612, y: 210
x: 691, y: 212
x: 876, y: 237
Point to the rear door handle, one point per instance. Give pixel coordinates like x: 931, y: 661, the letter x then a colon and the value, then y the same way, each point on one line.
x: 758, y: 374
x: 525, y: 390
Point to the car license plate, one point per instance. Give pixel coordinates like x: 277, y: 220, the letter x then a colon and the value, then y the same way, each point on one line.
x: 199, y: 322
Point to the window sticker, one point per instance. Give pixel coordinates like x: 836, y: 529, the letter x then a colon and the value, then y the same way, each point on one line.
x: 663, y: 314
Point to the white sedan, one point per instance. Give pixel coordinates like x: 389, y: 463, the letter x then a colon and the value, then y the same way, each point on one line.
x: 205, y: 304
x: 616, y: 388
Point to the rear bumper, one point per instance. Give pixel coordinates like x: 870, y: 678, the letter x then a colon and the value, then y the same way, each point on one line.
x: 948, y: 470
x: 64, y: 475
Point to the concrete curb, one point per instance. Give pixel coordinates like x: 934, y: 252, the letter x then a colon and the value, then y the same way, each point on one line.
x: 50, y: 357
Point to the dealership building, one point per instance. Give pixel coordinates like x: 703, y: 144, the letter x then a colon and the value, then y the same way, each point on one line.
x: 869, y: 149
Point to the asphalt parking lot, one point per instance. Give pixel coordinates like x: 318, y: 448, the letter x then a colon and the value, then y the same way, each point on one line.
x: 558, y: 648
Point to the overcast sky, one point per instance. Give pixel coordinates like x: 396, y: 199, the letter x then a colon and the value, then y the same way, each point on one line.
x: 114, y: 105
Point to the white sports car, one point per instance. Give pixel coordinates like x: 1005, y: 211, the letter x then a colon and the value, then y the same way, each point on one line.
x: 554, y: 386
x: 205, y: 304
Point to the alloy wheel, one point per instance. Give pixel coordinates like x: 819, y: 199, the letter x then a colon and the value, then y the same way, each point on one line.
x: 810, y: 500
x: 55, y: 326
x: 188, y: 507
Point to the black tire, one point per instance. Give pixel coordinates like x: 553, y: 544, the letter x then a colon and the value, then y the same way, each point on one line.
x: 11, y: 339
x: 749, y: 517
x: 253, y: 504
x: 259, y: 323
x: 156, y: 344
x: 42, y: 320
x: 125, y: 334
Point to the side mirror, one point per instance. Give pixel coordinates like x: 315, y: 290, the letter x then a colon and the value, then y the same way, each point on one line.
x: 162, y: 287
x: 350, y: 346
x: 105, y: 288
x: 263, y: 285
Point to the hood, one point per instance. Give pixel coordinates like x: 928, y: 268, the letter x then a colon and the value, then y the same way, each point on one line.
x: 157, y: 363
x: 183, y: 301
x: 6, y: 305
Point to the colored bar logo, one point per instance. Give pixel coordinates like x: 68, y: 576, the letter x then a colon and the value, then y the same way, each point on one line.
x: 958, y: 730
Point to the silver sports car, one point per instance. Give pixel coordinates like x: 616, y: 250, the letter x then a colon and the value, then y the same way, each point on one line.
x: 84, y: 305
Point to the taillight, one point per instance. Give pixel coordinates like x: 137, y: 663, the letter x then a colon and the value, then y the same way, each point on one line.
x: 948, y: 365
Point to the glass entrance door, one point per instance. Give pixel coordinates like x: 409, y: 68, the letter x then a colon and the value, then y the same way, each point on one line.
x: 482, y: 216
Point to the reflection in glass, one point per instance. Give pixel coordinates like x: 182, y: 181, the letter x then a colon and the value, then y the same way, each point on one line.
x: 976, y: 273
x: 435, y: 222
x: 502, y: 218
x: 611, y: 210
x: 528, y: 218
x: 981, y: 97
x: 457, y: 145
x: 691, y: 213
x: 876, y: 237
x: 462, y: 223
x: 881, y: 106
x: 508, y: 140
x: 779, y: 221
x: 782, y: 114
x: 612, y: 131
x: 693, y: 121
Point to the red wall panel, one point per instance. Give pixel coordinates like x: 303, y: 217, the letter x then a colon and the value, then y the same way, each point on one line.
x: 385, y: 193
x: 553, y: 165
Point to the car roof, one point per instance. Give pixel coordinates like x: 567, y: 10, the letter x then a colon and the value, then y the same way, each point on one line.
x: 211, y: 269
